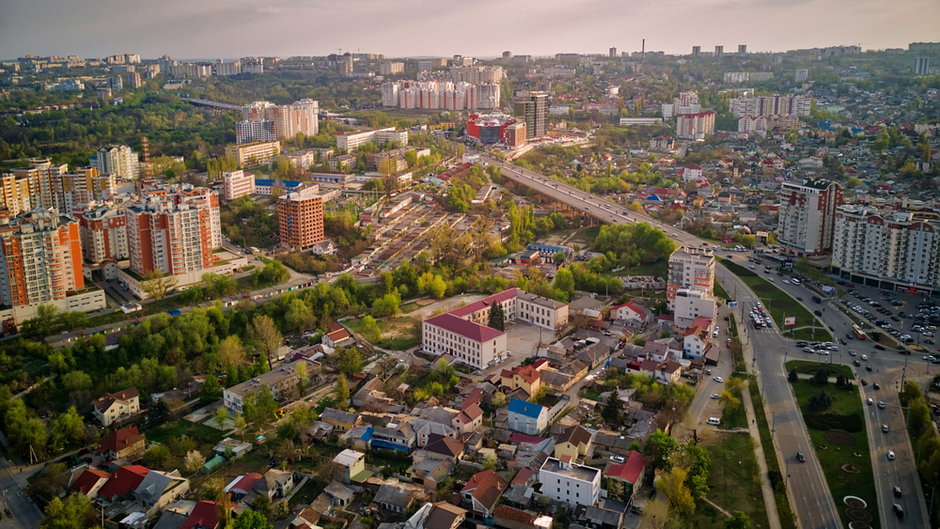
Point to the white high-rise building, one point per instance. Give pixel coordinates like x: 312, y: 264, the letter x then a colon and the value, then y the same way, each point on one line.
x: 690, y: 268
x: 890, y: 246
x: 118, y: 160
x: 807, y: 216
x: 444, y: 95
x: 766, y: 106
x: 695, y: 126
x: 262, y: 119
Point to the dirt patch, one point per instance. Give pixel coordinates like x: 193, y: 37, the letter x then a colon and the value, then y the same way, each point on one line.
x: 839, y: 438
x: 850, y: 468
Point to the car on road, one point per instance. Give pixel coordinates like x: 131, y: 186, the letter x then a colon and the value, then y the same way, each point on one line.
x: 869, y: 401
x: 716, y: 396
x: 800, y: 457
x: 881, y: 404
x: 852, y: 353
x: 884, y: 428
x: 864, y: 357
x: 890, y: 455
x: 867, y: 367
x: 879, y: 347
x: 898, y: 510
x: 718, y: 379
x: 897, y: 491
x: 856, y: 363
x: 818, y: 313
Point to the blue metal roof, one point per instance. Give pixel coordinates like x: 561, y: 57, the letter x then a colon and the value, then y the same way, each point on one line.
x: 529, y: 409
x: 546, y: 247
x: 270, y: 182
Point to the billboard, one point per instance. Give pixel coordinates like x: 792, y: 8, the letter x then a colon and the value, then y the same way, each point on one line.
x: 789, y: 321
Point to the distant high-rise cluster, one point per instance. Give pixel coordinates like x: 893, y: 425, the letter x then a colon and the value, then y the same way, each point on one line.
x: 52, y: 186
x: 775, y: 105
x: 691, y: 121
x: 443, y: 95
x: 922, y: 66
x: 477, y: 74
x: 265, y: 121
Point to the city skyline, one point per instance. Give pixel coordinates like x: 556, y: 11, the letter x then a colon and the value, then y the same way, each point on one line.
x: 212, y: 28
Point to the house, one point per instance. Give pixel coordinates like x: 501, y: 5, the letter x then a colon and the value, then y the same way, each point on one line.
x: 350, y: 466
x: 338, y: 337
x: 574, y: 442
x: 89, y: 482
x: 158, y: 489
x: 623, y: 480
x: 342, y: 420
x: 527, y: 378
x: 527, y: 417
x: 430, y: 471
x: 393, y: 498
x: 339, y: 494
x: 697, y: 339
x: 592, y: 517
x: 243, y: 485
x: 662, y: 349
x: 569, y: 482
x: 306, y: 519
x: 440, y: 515
x: 394, y: 436
x: 691, y: 173
x: 123, y: 481
x: 630, y: 312
x: 118, y: 406
x: 446, y: 447
x: 435, y: 421
x: 482, y: 492
x: 122, y: 443
x: 371, y: 397
x: 275, y: 484
x: 469, y: 419
x: 205, y: 515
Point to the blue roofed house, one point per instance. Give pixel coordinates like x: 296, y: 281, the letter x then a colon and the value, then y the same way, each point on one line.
x: 527, y: 417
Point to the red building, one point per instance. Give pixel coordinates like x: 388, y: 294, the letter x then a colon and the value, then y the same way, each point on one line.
x: 300, y: 219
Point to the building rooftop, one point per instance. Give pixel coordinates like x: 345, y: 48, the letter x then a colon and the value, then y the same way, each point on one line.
x: 467, y: 329
x: 348, y: 457
x: 570, y: 470
x: 271, y: 378
x: 529, y: 409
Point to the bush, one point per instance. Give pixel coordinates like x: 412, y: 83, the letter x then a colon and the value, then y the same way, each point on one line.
x: 833, y: 421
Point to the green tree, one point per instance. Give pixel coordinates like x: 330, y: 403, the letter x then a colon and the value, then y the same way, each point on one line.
x: 370, y: 329
x: 564, y: 281
x: 658, y: 448
x: 221, y: 417
x: 67, y: 428
x: 386, y: 305
x: 350, y: 361
x: 251, y: 519
x: 75, y: 512
x: 673, y: 485
x: 259, y: 406
x: 298, y: 317
x: 499, y: 399
x: 157, y: 284
x: 157, y: 456
x: 211, y: 388
x: 266, y: 335
x: 231, y: 352
x: 738, y: 520
x: 613, y: 409
x: 342, y: 389
x: 497, y: 318
x: 792, y: 376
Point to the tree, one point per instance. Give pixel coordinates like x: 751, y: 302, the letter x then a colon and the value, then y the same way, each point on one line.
x: 211, y: 388
x: 266, y: 334
x: 497, y: 318
x: 613, y: 409
x: 793, y: 376
x: 499, y: 399
x: 489, y: 462
x: 231, y: 352
x: 539, y: 394
x: 303, y: 377
x: 658, y: 448
x: 194, y: 460
x: 672, y: 484
x: 241, y: 424
x: 386, y: 305
x: 350, y: 361
x: 221, y: 417
x: 157, y: 456
x: 157, y: 284
x: 342, y: 389
x: 821, y: 401
x: 76, y: 512
x: 370, y: 329
x: 259, y: 406
x: 67, y: 428
x: 729, y: 402
x: 564, y: 281
x: 821, y: 377
x: 738, y: 520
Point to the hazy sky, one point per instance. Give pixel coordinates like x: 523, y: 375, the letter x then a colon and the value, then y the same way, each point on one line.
x: 235, y: 28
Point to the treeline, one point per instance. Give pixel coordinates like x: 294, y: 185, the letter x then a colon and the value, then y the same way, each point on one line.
x: 924, y: 438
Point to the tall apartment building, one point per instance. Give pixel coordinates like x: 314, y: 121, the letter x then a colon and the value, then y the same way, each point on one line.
x: 119, y: 160
x: 14, y: 194
x: 719, y: 51
x: 223, y: 68
x: 696, y: 51
x: 300, y: 218
x: 807, y: 216
x: 695, y: 126
x: 800, y: 75
x: 40, y: 258
x: 888, y: 246
x: 922, y: 66
x: 78, y: 189
x: 254, y: 153
x: 742, y: 49
x: 52, y: 186
x: 533, y: 107
x: 174, y: 229
x: 686, y: 103
x: 236, y: 184
x: 477, y: 74
x: 43, y: 180
x: 103, y: 232
x: 391, y: 68
x: 690, y: 268
x: 437, y: 94
x: 766, y: 106
x: 263, y: 118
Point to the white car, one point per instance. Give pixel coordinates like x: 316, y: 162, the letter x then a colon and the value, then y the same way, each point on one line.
x: 716, y: 396
x: 864, y: 357
x: 718, y: 379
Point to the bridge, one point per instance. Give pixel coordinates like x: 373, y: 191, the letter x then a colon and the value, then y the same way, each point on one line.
x: 211, y: 104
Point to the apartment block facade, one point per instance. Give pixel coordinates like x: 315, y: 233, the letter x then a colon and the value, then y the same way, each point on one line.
x: 104, y: 234
x: 254, y: 153
x: 690, y: 268
x: 695, y: 126
x: 888, y: 246
x: 300, y: 218
x: 570, y: 482
x: 766, y: 106
x: 261, y: 118
x: 236, y: 184
x: 40, y: 258
x: 807, y: 216
x: 118, y: 160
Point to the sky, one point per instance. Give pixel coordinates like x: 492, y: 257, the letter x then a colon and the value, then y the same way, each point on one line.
x: 188, y: 29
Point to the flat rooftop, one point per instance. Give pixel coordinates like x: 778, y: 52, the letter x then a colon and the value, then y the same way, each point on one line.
x: 572, y: 470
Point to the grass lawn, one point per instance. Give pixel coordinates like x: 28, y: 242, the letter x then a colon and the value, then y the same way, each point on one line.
x: 201, y: 433
x: 781, y: 304
x: 720, y: 291
x: 837, y: 448
x: 803, y: 366
x: 785, y: 513
x: 734, y: 482
x: 659, y: 269
x: 398, y: 333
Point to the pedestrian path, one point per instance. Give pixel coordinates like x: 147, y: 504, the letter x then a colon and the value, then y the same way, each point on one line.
x: 770, y: 503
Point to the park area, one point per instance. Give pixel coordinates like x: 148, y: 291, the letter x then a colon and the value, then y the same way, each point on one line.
x: 832, y: 410
x: 780, y: 304
x: 734, y: 482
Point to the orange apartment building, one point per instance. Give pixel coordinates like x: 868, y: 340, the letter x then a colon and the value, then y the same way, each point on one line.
x: 300, y: 218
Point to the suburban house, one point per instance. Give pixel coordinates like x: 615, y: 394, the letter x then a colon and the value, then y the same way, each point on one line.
x: 394, y: 436
x: 621, y: 481
x: 482, y: 491
x: 697, y: 339
x: 275, y: 484
x: 574, y: 442
x: 527, y: 378
x: 89, y: 482
x: 122, y: 443
x: 342, y: 420
x: 512, y: 518
x: 350, y: 466
x: 527, y: 417
x: 123, y: 481
x: 430, y: 471
x: 158, y: 489
x: 115, y: 407
x: 570, y: 482
x: 338, y: 337
x: 630, y: 312
x: 394, y: 499
x: 440, y: 515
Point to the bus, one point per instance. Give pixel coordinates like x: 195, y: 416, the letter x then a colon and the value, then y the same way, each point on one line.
x: 859, y: 333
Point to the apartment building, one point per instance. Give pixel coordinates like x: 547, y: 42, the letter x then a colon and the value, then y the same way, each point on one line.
x: 263, y: 118
x: 695, y: 126
x: 14, y: 194
x: 348, y: 143
x: 570, y: 482
x: 533, y: 107
x: 280, y: 381
x: 477, y: 74
x: 690, y: 268
x: 174, y: 229
x: 254, y: 153
x: 443, y: 95
x: 892, y: 247
x: 236, y: 184
x: 103, y: 232
x: 42, y: 177
x: 40, y: 258
x: 77, y: 189
x: 542, y: 312
x: 766, y: 106
x: 391, y: 68
x: 300, y: 218
x: 118, y: 160
x: 690, y: 304
x: 807, y: 216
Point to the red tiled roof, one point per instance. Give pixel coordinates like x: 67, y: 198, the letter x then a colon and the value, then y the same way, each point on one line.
x: 485, y: 302
x: 472, y: 411
x: 629, y: 471
x: 205, y: 514
x: 505, y: 512
x: 105, y: 401
x: 124, y: 480
x: 87, y: 480
x: 246, y: 482
x: 518, y: 438
x: 485, y: 487
x: 467, y: 329
x: 120, y: 439
x: 528, y: 373
x: 523, y: 476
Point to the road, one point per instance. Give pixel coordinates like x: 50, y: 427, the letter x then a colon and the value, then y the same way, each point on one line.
x: 12, y: 485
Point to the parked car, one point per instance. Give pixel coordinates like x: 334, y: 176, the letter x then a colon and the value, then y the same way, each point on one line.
x: 800, y: 457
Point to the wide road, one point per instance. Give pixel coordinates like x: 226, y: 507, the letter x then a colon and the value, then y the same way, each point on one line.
x: 810, y: 497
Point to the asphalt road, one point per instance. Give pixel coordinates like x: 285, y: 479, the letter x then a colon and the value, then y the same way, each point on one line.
x: 810, y: 497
